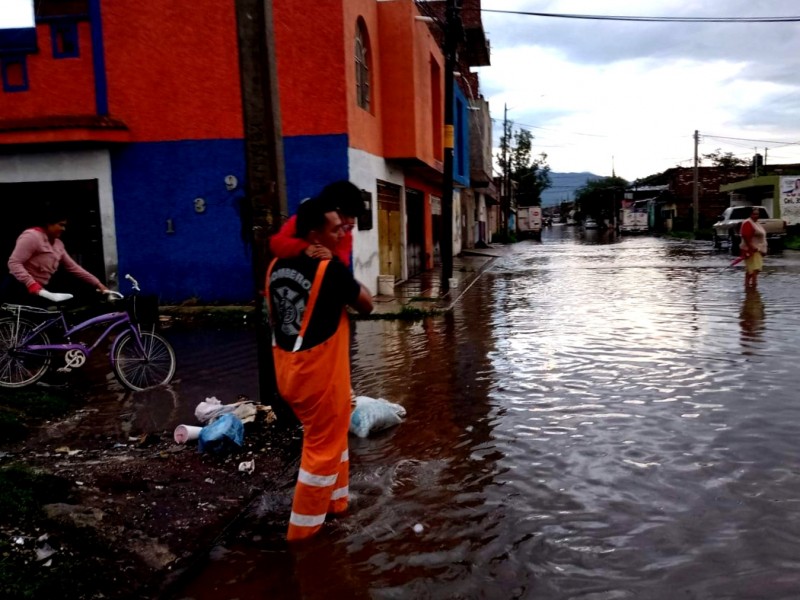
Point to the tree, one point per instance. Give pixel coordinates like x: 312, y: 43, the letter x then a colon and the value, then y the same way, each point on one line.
x: 655, y: 179
x: 726, y: 160
x: 599, y: 197
x: 531, y: 175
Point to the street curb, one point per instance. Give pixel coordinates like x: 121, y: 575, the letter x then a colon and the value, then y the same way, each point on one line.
x: 403, y: 310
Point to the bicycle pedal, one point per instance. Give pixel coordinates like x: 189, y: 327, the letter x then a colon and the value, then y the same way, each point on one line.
x: 64, y: 370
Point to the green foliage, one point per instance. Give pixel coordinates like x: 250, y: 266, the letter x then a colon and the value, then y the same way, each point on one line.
x: 655, y: 179
x: 726, y: 160
x: 39, y: 404
x: 792, y: 242
x: 680, y: 235
x: 23, y: 491
x: 532, y: 175
x: 407, y: 313
x: 21, y: 408
x: 598, y: 196
x: 12, y: 426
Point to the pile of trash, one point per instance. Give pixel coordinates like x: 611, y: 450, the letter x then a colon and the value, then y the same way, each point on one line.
x: 223, y: 424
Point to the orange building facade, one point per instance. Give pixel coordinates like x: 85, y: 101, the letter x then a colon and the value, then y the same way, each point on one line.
x: 371, y: 112
x: 132, y: 113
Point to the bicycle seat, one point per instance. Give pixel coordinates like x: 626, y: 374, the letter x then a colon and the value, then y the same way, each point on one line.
x: 55, y: 296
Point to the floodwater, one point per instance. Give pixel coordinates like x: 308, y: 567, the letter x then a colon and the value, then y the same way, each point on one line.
x: 598, y: 418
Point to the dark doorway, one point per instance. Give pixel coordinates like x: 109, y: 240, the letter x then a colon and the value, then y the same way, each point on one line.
x: 415, y: 231
x: 436, y: 226
x: 21, y: 205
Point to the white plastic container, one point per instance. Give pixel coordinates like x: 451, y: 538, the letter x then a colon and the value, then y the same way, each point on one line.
x: 184, y: 433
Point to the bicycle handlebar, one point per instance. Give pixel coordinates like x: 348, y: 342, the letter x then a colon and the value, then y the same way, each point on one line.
x: 134, y: 283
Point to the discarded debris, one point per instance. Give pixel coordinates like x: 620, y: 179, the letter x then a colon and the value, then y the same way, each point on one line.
x: 247, y: 466
x: 66, y: 450
x: 184, y: 433
x: 245, y: 410
x: 45, y: 552
x: 223, y: 435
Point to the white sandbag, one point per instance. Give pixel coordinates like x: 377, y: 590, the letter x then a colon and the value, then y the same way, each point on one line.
x: 374, y: 414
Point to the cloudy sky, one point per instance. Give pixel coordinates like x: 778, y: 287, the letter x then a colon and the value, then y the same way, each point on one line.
x: 593, y: 90
x: 16, y: 13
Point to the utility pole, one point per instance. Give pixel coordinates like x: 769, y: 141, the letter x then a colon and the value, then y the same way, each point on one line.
x: 505, y: 196
x: 265, y: 200
x: 696, y: 186
x: 452, y: 26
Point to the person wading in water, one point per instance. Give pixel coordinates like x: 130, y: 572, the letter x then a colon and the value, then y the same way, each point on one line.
x: 311, y: 347
x: 754, y: 247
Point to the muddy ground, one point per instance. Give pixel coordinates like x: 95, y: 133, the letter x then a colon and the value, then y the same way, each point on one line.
x: 87, y: 515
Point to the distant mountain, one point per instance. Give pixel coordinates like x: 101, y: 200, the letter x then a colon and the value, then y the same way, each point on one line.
x: 564, y: 186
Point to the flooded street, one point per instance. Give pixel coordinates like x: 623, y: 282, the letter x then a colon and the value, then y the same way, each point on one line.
x: 594, y: 420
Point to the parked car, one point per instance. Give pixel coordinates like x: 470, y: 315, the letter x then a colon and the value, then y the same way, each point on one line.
x: 730, y: 222
x: 590, y: 223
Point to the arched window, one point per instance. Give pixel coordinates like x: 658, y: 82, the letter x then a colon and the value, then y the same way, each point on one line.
x: 362, y: 62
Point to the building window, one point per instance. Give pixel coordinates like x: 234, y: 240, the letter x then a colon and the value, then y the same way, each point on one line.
x: 365, y: 219
x: 64, y: 36
x: 14, y: 72
x: 362, y: 66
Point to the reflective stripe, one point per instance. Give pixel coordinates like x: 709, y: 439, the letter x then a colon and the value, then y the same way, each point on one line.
x: 306, y: 520
x: 298, y: 343
x: 340, y: 493
x: 316, y: 480
x: 345, y: 456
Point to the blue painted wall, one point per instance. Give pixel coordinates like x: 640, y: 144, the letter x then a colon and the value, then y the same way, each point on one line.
x: 205, y: 256
x: 312, y: 162
x: 461, y: 135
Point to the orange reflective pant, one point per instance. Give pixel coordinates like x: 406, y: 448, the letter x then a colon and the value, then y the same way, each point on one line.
x: 316, y: 384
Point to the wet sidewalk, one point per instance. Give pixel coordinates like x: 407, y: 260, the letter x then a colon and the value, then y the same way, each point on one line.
x: 424, y: 291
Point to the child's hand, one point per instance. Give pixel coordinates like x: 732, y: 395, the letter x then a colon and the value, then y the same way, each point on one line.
x: 319, y: 252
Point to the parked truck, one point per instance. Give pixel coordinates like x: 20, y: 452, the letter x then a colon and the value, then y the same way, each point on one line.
x: 727, y: 228
x: 529, y: 222
x: 633, y: 217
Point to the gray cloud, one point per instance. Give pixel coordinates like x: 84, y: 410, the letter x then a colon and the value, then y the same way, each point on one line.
x: 773, y: 49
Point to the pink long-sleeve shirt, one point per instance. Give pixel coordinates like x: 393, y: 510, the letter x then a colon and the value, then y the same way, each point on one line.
x: 35, y: 258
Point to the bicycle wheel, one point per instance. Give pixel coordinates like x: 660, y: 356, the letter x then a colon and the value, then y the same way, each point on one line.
x: 139, y: 370
x: 20, y: 367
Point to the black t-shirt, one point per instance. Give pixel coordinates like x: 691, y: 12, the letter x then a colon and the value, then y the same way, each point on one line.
x: 290, y: 287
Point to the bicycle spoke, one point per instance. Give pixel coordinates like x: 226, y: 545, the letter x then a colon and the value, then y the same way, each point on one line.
x: 140, y: 367
x: 19, y: 367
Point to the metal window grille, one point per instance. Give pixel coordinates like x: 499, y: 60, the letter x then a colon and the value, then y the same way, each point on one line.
x: 362, y: 67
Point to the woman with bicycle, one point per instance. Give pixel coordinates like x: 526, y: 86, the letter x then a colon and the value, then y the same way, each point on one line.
x: 37, y: 255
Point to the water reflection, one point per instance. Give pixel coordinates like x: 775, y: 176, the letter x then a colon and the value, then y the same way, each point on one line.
x: 590, y: 422
x: 752, y: 320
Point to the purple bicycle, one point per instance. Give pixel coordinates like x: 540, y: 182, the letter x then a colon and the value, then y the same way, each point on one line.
x: 140, y: 357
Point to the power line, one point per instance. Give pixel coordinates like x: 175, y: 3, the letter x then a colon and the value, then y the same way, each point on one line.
x: 723, y: 137
x: 648, y: 19
x: 600, y: 135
